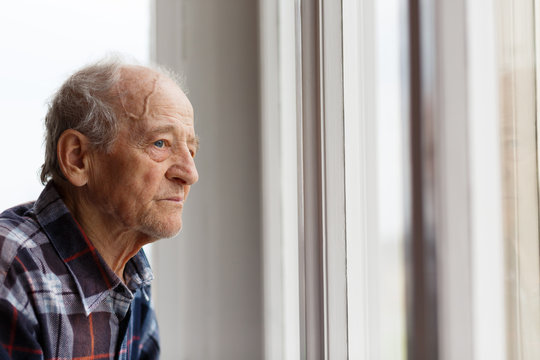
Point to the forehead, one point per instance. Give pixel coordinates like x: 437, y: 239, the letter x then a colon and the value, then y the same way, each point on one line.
x: 169, y: 100
x: 147, y: 98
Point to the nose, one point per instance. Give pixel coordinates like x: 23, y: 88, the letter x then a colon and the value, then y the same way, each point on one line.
x: 183, y: 168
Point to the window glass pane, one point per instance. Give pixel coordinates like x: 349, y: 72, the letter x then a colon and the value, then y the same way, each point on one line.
x: 390, y: 187
x: 518, y: 86
x: 374, y: 162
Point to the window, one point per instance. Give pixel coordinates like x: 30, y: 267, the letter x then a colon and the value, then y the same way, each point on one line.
x: 518, y: 77
x: 374, y: 184
x: 417, y: 180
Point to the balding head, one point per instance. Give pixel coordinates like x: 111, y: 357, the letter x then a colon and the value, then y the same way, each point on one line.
x: 94, y: 100
x: 140, y: 89
x: 135, y: 88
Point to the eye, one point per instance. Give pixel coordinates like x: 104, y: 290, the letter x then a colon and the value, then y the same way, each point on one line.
x: 159, y: 144
x: 192, y: 153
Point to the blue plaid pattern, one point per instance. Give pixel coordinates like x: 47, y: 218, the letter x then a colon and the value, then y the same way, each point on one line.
x: 59, y: 299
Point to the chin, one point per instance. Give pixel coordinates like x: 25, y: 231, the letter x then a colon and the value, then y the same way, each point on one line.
x: 159, y: 229
x: 157, y: 234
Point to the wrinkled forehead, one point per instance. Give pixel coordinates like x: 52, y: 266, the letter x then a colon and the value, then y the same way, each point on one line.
x: 141, y: 92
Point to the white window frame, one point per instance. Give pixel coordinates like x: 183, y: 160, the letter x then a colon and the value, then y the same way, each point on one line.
x: 450, y: 108
x: 279, y: 155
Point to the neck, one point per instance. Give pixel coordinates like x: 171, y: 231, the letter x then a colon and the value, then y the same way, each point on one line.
x: 115, y: 244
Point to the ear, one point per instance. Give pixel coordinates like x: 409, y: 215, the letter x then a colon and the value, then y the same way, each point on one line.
x: 73, y: 156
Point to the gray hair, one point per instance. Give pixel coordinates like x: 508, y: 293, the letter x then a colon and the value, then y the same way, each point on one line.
x: 86, y: 103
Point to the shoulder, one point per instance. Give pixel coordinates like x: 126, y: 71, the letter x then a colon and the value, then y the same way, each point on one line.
x: 31, y: 273
x: 19, y: 232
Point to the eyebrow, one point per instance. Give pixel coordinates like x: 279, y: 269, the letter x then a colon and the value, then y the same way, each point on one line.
x: 194, y: 140
x: 160, y: 130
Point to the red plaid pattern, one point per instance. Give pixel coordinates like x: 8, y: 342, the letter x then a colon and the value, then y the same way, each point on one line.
x: 58, y: 298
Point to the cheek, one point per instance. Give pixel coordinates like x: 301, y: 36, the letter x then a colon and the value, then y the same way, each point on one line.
x: 148, y: 180
x: 143, y: 183
x: 126, y: 183
x: 115, y: 183
x: 131, y: 194
x: 104, y: 179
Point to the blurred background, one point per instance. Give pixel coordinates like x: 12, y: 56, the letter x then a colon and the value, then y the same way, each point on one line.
x: 368, y: 170
x: 43, y: 42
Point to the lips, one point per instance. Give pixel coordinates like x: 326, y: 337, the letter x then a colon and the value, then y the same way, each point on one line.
x: 174, y: 199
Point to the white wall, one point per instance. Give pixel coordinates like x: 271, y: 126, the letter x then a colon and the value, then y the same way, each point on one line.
x: 208, y: 279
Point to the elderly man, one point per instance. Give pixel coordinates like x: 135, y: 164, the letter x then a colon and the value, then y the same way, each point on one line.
x: 74, y: 281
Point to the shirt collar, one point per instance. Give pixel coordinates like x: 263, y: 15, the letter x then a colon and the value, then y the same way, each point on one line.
x: 93, y: 277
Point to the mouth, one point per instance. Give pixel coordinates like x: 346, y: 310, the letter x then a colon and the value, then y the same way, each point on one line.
x: 174, y: 199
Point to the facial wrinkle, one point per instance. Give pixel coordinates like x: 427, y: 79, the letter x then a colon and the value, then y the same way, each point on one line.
x: 146, y: 105
x: 146, y: 101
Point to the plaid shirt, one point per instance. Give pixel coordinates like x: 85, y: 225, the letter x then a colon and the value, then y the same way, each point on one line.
x: 58, y: 297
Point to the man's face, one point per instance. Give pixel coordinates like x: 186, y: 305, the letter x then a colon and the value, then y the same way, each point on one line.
x: 142, y: 183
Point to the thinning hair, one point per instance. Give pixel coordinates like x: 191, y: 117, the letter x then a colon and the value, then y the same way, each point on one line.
x: 86, y: 102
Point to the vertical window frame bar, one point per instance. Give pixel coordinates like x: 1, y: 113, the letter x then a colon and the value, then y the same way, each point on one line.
x: 322, y: 243
x: 333, y: 186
